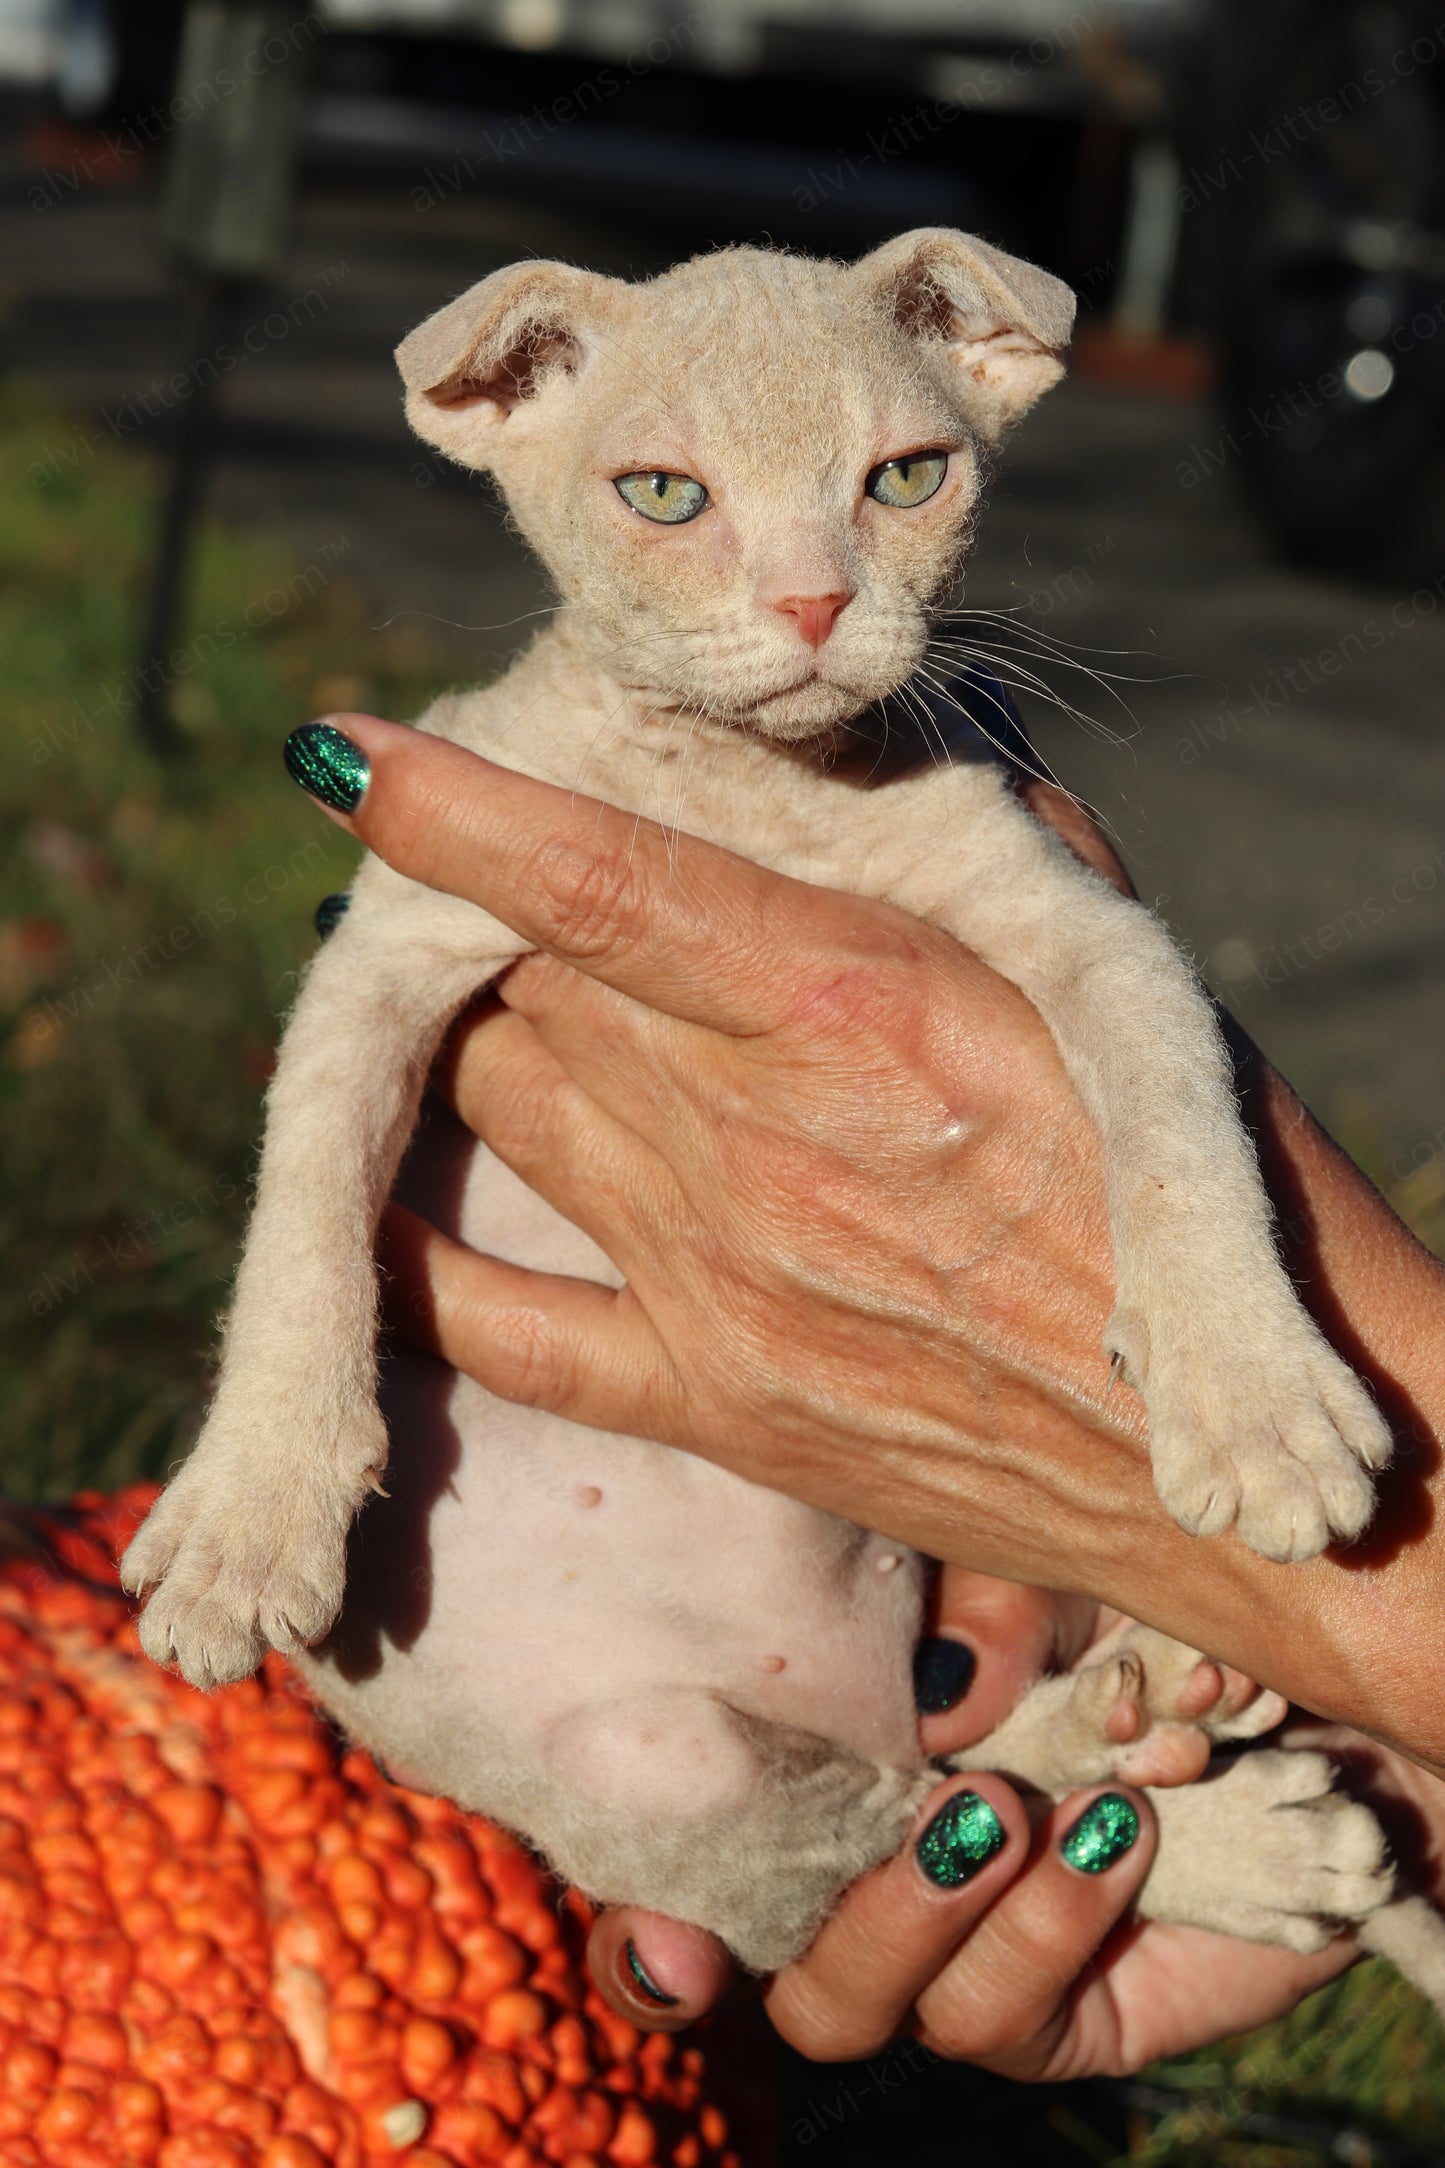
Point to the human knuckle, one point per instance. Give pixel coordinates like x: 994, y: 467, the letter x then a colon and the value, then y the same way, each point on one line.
x: 851, y: 1001
x: 974, y: 2028
x: 522, y: 1119
x: 810, y: 2020
x: 531, y: 1360
x: 592, y: 899
x: 994, y: 2002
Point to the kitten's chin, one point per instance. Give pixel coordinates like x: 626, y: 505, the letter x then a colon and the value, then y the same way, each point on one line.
x: 805, y: 711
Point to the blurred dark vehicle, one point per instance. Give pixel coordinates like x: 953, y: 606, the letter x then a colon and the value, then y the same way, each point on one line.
x: 1262, y: 175
x: 1330, y: 279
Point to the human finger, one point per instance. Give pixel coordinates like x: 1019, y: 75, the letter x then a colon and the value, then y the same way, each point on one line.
x: 678, y: 923
x: 660, y: 1973
x: 1005, y: 2000
x: 542, y: 1339
x: 850, y: 1993
x: 986, y: 1643
x: 513, y: 1093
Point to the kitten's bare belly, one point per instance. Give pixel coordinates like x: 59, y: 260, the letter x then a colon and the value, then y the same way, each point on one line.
x: 575, y: 1605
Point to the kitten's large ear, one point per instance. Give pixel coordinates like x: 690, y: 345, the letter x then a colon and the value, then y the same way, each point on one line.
x: 482, y: 358
x: 1004, y: 324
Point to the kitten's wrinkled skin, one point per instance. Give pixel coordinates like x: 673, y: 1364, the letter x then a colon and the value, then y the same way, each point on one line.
x: 577, y: 1633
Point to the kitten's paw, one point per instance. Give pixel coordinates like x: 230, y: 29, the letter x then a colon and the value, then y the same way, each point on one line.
x: 1266, y: 1850
x: 1271, y: 1435
x: 240, y: 1560
x: 1172, y: 1705
x: 1150, y: 1710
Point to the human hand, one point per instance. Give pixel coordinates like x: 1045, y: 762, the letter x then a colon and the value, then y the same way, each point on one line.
x: 861, y: 1220
x: 1031, y: 1968
x: 830, y: 1152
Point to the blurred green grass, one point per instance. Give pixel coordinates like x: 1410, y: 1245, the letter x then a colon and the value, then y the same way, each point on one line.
x: 153, y: 917
x: 1354, y: 2074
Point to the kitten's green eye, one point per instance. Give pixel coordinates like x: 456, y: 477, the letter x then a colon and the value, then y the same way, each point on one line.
x: 906, y: 482
x: 670, y: 498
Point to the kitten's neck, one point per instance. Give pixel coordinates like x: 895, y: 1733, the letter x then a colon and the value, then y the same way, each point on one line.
x: 657, y: 722
x: 590, y: 728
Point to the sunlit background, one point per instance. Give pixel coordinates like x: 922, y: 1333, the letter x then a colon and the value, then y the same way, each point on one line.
x: 1214, y: 574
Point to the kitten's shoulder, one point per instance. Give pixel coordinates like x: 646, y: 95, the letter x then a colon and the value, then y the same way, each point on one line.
x: 533, y: 718
x: 475, y: 716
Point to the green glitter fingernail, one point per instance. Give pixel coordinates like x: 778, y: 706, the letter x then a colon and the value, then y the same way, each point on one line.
x: 636, y: 1974
x: 942, y: 1674
x: 323, y: 760
x: 962, y: 1838
x: 1103, y: 1833
x: 329, y: 913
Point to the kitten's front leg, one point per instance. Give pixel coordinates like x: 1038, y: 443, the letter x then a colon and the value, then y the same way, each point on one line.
x: 246, y: 1548
x: 1254, y: 1421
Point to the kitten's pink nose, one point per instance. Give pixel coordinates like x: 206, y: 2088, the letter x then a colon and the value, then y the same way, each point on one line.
x: 815, y: 614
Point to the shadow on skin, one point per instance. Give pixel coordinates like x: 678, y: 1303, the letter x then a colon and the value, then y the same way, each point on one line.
x: 389, y: 1555
x: 1406, y: 1511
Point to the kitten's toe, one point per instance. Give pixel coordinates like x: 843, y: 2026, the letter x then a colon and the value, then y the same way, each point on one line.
x: 1282, y: 1513
x: 1264, y: 1713
x: 205, y: 1639
x: 215, y: 1615
x: 1198, y: 1483
x: 1353, y: 1412
x: 1273, y: 1439
x: 151, y: 1551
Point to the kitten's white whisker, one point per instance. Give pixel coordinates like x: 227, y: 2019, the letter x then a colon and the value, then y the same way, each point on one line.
x: 933, y: 737
x: 547, y: 609
x: 1054, y: 645
x: 1028, y: 681
x: 1040, y: 684
x: 1041, y: 654
x: 1014, y: 758
x: 1016, y: 622
x: 1008, y: 638
x: 592, y: 743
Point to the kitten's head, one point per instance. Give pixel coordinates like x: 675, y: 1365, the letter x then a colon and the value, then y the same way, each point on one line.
x: 755, y: 476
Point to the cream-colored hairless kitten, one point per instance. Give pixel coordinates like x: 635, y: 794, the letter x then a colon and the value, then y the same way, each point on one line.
x: 753, y: 480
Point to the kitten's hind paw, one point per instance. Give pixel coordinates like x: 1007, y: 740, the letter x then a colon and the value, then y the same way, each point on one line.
x: 1265, y: 1849
x: 1271, y: 1435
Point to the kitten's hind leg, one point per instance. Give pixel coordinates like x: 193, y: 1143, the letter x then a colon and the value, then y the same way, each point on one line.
x: 1264, y: 1848
x: 1144, y: 1709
